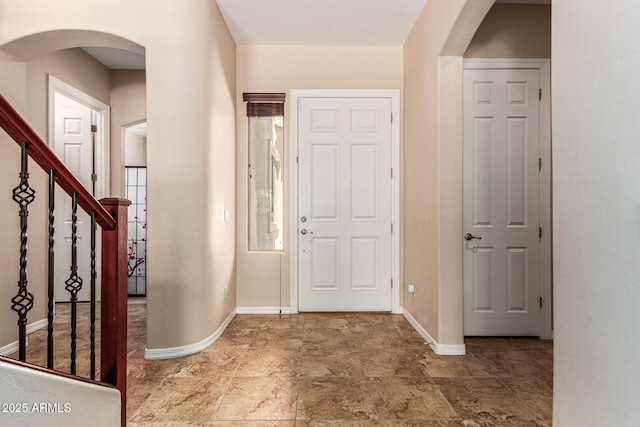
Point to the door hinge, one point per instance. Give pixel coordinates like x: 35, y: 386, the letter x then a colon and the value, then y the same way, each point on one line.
x: 540, y: 233
x: 391, y: 228
x: 540, y: 94
x: 539, y: 163
x: 391, y: 283
x: 94, y: 177
x: 94, y: 128
x: 391, y: 117
x: 297, y: 159
x: 540, y: 302
x: 392, y: 173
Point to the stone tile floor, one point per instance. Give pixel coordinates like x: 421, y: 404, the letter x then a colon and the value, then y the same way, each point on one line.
x: 324, y: 370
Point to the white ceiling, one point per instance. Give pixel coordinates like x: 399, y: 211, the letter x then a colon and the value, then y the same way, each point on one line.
x: 321, y: 22
x: 139, y: 129
x: 325, y: 22
x: 305, y: 22
x: 117, y: 59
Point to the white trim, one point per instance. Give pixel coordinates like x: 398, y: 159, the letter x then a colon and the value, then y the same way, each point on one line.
x: 440, y: 349
x: 293, y: 200
x: 10, y: 348
x: 394, y: 95
x: 263, y: 310
x: 31, y: 328
x: 103, y: 139
x: 544, y: 65
x: 449, y: 349
x: 185, y: 350
x: 37, y: 325
x: 546, y: 250
x: 504, y: 63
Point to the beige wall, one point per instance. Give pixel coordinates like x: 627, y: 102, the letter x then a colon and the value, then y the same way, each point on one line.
x: 13, y: 86
x: 135, y: 149
x: 190, y: 173
x: 25, y: 83
x: 433, y: 164
x: 72, y: 66
x: 191, y: 121
x: 263, y: 278
x: 433, y: 60
x: 222, y: 157
x: 128, y: 105
x: 513, y: 31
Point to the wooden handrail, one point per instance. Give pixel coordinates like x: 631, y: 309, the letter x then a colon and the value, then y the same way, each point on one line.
x: 43, y: 155
x: 113, y: 304
x: 111, y: 215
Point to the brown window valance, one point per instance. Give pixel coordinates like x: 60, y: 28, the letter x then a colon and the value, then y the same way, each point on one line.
x: 264, y: 104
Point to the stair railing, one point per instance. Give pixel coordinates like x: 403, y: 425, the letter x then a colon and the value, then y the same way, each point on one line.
x: 111, y: 215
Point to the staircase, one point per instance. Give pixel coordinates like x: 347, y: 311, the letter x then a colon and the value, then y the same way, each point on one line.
x: 110, y: 215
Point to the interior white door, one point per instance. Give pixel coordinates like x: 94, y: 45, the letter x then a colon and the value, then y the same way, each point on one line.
x: 501, y: 202
x: 344, y: 204
x: 73, y: 145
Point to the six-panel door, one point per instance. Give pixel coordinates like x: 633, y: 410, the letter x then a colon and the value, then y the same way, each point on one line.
x: 501, y: 202
x: 345, y: 204
x: 73, y: 145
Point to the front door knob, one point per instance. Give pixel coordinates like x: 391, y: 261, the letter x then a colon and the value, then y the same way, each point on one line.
x: 305, y: 231
x: 470, y: 236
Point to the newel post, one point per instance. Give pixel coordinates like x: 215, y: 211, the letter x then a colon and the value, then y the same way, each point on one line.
x: 113, y: 338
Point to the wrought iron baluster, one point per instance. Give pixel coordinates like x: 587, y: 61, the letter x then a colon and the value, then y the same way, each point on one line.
x: 23, y: 195
x: 93, y: 296
x: 74, y: 282
x: 51, y: 269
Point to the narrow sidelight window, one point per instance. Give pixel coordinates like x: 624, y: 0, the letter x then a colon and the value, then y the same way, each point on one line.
x: 265, y: 113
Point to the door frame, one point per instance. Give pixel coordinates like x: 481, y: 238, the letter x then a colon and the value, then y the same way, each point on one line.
x: 544, y: 66
x: 103, y: 112
x: 394, y: 96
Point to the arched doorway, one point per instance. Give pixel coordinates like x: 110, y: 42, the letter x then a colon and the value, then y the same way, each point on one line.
x: 450, y: 136
x: 28, y: 66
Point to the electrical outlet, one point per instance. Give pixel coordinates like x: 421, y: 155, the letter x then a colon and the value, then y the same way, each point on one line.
x: 411, y: 287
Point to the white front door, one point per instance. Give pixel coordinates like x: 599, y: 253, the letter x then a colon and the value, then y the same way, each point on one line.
x: 501, y: 202
x: 344, y: 204
x: 73, y: 145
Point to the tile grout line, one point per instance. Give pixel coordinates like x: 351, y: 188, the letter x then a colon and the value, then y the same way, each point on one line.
x: 231, y: 378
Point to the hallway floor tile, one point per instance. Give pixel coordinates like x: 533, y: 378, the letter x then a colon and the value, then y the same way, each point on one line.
x: 330, y: 370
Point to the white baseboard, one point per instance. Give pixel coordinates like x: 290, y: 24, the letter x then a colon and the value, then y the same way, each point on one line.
x: 263, y: 310
x: 185, y: 350
x: 449, y: 349
x: 440, y: 349
x: 31, y: 327
x: 36, y: 326
x: 9, y: 349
